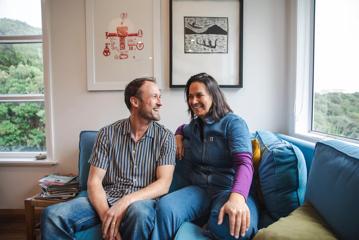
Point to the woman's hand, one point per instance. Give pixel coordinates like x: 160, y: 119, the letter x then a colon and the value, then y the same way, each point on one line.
x: 179, y: 147
x: 238, y: 214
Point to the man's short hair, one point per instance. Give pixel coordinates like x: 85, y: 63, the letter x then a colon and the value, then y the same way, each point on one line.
x: 133, y: 89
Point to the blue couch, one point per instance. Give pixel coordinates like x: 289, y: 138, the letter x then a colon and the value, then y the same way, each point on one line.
x: 325, y: 188
x: 331, y: 207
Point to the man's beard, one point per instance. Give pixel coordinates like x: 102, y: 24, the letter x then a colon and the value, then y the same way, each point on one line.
x: 149, y: 115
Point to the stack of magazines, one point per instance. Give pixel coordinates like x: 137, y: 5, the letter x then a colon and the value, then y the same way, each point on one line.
x: 55, y: 186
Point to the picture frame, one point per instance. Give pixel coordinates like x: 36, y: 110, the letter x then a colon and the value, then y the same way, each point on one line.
x: 123, y: 42
x: 206, y: 36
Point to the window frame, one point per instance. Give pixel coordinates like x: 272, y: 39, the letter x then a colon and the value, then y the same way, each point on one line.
x: 10, y: 158
x: 301, y: 123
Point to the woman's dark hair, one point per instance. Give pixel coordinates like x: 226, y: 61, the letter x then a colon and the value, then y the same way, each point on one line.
x: 133, y: 89
x: 219, y: 106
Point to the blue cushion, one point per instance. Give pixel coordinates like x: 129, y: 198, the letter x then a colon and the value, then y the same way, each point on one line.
x: 93, y: 233
x: 82, y: 194
x: 306, y: 147
x: 188, y: 231
x: 282, y: 175
x: 333, y: 186
x: 87, y: 140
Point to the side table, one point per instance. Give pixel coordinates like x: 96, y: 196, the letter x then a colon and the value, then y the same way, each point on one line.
x: 31, y: 204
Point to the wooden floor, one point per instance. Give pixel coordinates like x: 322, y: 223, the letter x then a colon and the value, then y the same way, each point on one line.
x: 12, y: 227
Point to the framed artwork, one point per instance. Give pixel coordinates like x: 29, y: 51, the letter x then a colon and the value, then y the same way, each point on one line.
x: 123, y: 42
x: 206, y: 36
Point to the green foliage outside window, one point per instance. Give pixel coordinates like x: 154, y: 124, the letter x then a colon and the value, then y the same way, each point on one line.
x: 22, y: 124
x: 337, y: 114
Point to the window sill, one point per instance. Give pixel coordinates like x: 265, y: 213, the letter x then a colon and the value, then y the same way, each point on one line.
x: 315, y: 137
x: 26, y: 162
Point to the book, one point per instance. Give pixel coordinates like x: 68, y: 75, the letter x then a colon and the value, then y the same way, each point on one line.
x: 55, y: 179
x: 56, y: 186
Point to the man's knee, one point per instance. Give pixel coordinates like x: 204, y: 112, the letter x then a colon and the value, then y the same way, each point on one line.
x: 60, y: 211
x: 139, y: 220
x: 141, y: 210
x: 51, y: 212
x: 164, y: 208
x: 52, y: 216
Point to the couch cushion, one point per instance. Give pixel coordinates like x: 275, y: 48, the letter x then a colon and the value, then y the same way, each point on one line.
x: 303, y: 223
x: 189, y: 230
x: 306, y: 147
x: 333, y: 185
x: 87, y: 140
x: 282, y: 175
x: 93, y: 233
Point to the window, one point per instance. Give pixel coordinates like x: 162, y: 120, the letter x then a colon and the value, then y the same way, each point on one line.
x: 327, y: 76
x: 335, y: 69
x: 22, y: 101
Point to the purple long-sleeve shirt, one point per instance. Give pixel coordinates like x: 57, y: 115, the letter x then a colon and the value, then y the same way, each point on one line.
x: 243, y: 173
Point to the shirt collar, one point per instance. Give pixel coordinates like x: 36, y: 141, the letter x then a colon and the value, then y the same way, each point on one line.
x: 127, y: 129
x: 206, y: 120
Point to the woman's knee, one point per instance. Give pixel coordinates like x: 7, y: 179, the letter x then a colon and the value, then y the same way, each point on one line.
x: 222, y: 231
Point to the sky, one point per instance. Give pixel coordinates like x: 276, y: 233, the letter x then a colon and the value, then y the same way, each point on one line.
x: 28, y: 11
x: 337, y: 49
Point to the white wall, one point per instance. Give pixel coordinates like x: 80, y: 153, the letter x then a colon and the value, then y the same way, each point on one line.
x: 262, y: 101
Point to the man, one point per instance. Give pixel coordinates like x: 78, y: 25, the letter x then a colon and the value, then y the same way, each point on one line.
x: 132, y: 164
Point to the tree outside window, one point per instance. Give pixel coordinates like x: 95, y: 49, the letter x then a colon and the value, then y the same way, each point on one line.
x: 22, y: 111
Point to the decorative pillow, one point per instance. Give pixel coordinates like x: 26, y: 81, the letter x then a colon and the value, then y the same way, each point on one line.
x: 256, y: 158
x: 282, y: 175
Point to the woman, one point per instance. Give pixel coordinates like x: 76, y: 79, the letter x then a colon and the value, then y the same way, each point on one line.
x: 218, y: 155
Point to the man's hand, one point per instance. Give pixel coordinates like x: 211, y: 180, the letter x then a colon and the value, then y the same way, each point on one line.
x: 118, y: 237
x: 179, y: 147
x: 112, y: 219
x: 238, y: 214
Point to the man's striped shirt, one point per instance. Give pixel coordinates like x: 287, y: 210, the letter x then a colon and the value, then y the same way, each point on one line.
x: 131, y: 166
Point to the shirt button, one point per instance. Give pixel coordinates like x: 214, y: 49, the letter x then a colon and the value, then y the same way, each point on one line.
x: 135, y: 180
x: 134, y: 166
x: 133, y: 151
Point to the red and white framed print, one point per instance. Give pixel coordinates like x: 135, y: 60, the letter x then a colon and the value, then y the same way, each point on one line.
x: 123, y: 42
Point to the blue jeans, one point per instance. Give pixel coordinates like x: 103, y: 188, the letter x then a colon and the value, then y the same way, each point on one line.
x: 192, y: 202
x: 63, y: 220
